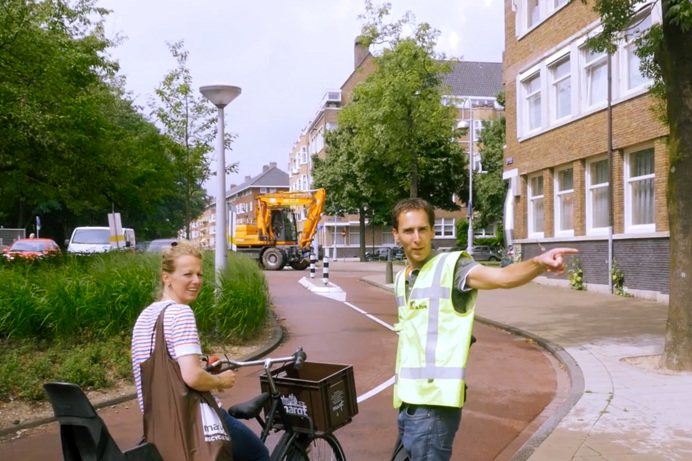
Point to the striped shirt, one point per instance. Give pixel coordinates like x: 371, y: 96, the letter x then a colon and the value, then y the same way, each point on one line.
x: 180, y: 331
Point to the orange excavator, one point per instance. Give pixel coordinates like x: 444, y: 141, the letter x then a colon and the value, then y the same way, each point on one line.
x: 274, y: 238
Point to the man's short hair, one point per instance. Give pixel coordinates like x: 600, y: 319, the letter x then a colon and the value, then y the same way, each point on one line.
x: 412, y: 204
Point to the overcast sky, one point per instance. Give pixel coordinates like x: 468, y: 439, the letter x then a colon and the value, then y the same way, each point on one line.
x: 283, y: 54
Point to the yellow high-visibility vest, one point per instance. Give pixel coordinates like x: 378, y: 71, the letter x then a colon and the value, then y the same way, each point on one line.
x: 434, y: 339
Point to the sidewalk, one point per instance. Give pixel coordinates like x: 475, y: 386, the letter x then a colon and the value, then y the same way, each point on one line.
x: 624, y: 406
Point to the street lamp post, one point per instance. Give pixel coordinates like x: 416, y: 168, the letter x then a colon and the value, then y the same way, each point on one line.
x: 220, y: 96
x: 464, y: 124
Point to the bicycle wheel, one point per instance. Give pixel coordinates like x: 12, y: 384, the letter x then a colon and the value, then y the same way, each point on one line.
x: 324, y: 447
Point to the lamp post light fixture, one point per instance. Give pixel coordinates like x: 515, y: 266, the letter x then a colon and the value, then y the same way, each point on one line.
x: 463, y: 125
x: 220, y: 96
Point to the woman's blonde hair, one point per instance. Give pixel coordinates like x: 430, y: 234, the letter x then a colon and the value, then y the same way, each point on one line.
x: 171, y: 254
x: 177, y: 249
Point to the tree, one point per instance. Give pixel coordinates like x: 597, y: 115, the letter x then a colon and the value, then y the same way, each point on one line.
x: 489, y: 187
x: 189, y: 121
x: 73, y: 145
x: 400, y: 109
x: 396, y: 138
x: 667, y: 58
x: 355, y: 185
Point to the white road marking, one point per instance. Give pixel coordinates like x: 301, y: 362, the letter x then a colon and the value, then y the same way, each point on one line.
x: 390, y: 381
x: 376, y: 390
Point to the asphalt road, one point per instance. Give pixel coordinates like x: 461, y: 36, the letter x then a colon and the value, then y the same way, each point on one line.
x: 510, y: 381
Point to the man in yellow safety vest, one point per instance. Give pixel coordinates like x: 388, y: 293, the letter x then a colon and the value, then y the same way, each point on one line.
x: 436, y: 298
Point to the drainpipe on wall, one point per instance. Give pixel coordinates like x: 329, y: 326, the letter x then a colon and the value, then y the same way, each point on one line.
x: 610, y: 173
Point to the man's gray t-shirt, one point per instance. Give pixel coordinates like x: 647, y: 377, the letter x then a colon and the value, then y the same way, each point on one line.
x: 460, y: 291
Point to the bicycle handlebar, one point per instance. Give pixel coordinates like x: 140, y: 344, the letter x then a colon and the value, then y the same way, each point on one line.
x: 297, y: 359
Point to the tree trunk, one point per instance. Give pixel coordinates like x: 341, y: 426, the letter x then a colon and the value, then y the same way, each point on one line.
x: 675, y: 58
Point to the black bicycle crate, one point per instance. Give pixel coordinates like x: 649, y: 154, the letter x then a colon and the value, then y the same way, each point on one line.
x: 324, y: 392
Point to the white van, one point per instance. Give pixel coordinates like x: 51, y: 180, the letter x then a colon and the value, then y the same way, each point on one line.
x: 98, y: 240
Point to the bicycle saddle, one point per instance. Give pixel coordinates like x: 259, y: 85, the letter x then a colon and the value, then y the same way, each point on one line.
x: 251, y: 408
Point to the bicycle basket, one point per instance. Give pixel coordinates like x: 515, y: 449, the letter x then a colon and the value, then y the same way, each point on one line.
x: 322, y: 392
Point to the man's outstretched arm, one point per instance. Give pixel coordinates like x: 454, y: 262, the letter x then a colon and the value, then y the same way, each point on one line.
x: 514, y: 275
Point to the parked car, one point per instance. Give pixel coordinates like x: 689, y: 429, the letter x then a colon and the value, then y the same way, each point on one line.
x: 381, y: 254
x: 98, y: 240
x: 486, y: 253
x: 482, y: 252
x: 31, y: 248
x: 159, y: 244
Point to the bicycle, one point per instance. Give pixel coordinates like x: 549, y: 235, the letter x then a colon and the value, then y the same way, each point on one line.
x: 307, y: 436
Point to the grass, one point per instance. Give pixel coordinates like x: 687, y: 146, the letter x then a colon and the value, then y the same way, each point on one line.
x: 84, y: 307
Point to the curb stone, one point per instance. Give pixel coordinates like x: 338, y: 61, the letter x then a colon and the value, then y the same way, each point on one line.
x: 274, y: 341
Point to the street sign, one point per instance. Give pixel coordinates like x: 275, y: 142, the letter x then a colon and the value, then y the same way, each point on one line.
x: 117, y: 233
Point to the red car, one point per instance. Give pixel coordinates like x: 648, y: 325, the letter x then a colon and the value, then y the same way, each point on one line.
x: 31, y: 248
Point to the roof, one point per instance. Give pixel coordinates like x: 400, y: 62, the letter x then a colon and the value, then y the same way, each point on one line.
x: 271, y: 177
x: 473, y: 78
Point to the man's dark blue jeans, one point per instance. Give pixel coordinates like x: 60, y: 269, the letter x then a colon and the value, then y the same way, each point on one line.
x: 428, y: 431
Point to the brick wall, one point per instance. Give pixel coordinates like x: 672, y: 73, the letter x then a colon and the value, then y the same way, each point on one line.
x: 644, y: 262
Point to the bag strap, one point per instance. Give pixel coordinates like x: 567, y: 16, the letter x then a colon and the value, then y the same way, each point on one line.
x: 159, y: 321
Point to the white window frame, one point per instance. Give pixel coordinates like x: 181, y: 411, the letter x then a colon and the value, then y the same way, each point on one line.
x: 557, y: 205
x: 532, y: 198
x: 589, y: 188
x: 629, y: 181
x: 525, y: 101
x: 546, y: 8
x: 387, y: 236
x: 627, y: 53
x: 555, y: 81
x: 590, y: 61
x: 354, y: 236
x: 442, y: 224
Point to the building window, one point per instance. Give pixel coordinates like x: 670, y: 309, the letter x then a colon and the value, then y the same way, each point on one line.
x: 564, y: 201
x: 597, y: 196
x: 639, y: 190
x: 353, y: 236
x: 536, y: 206
x: 634, y: 78
x: 595, y: 76
x: 387, y: 236
x: 532, y: 92
x: 444, y: 228
x: 561, y: 88
x: 263, y: 190
x: 559, y: 3
x: 533, y: 13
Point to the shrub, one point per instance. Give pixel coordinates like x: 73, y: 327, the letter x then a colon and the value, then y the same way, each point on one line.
x: 575, y: 274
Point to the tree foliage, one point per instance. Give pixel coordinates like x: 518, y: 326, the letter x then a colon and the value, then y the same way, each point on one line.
x: 667, y: 58
x: 73, y: 146
x: 189, y: 121
x: 489, y: 188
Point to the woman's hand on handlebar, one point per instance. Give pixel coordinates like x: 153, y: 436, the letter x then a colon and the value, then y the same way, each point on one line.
x: 226, y: 380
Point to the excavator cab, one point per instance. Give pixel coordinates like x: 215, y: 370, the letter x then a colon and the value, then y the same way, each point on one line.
x: 283, y: 222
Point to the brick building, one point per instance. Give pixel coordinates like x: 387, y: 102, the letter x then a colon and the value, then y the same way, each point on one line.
x: 562, y: 178
x: 474, y: 86
x: 242, y: 198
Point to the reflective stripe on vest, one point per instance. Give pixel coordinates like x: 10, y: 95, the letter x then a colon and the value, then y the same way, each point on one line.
x: 421, y: 387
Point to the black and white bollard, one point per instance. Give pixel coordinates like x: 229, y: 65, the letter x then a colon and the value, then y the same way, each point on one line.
x: 325, y: 270
x: 313, y: 261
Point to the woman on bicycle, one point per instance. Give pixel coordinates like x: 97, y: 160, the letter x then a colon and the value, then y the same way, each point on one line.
x: 181, y: 281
